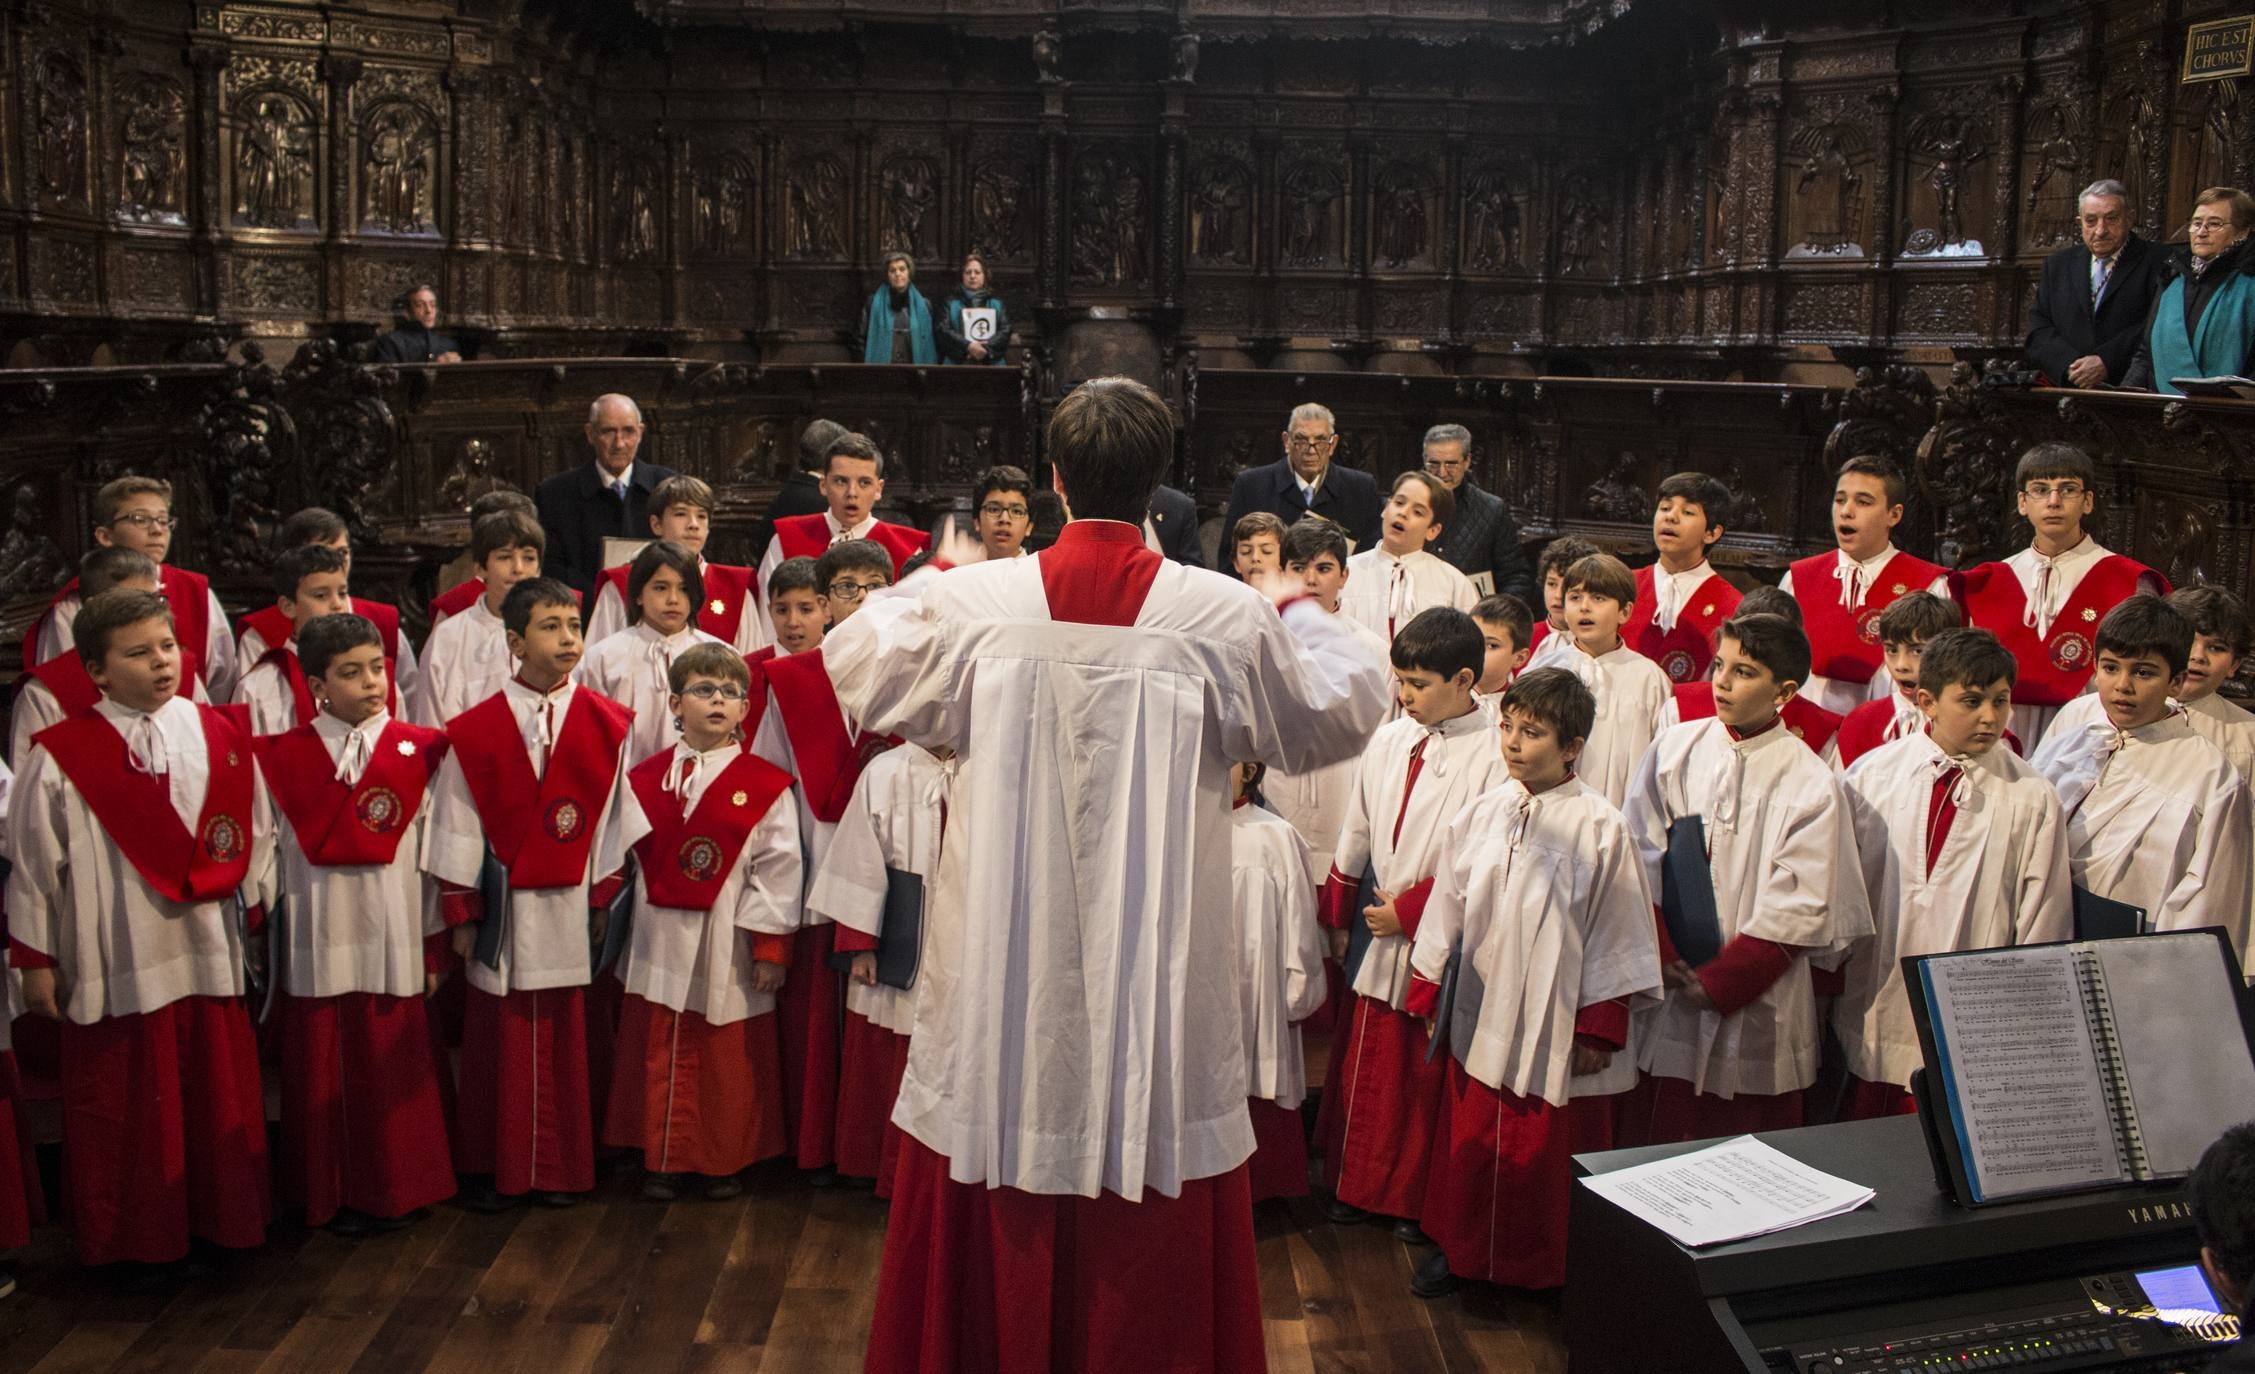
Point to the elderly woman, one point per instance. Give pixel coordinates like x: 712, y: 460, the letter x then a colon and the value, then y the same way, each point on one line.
x: 2203, y: 322
x: 976, y: 339
x: 899, y: 329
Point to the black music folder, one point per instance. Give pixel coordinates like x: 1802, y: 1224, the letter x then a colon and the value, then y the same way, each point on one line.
x: 2103, y: 918
x: 1358, y: 929
x: 900, y: 933
x: 1687, y: 893
x: 493, y: 920
x: 618, y: 921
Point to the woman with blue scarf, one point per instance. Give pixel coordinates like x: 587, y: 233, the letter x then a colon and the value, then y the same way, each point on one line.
x: 978, y: 338
x: 900, y: 319
x: 2203, y: 323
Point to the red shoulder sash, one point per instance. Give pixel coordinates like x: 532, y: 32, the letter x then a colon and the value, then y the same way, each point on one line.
x: 386, y: 619
x: 1865, y: 729
x: 135, y: 809
x: 456, y: 599
x: 1695, y: 700
x: 31, y: 632
x: 1845, y: 646
x: 615, y: 579
x: 360, y: 825
x: 2054, y: 669
x: 900, y: 541
x: 829, y: 758
x: 803, y: 536
x: 189, y: 595
x: 727, y: 588
x: 73, y: 687
x: 756, y: 663
x: 542, y: 828
x: 1686, y: 652
x: 285, y: 659
x: 273, y: 627
x: 687, y: 858
x: 1810, y: 723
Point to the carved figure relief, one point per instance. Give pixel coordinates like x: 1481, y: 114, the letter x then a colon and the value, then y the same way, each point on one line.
x: 911, y: 189
x: 1049, y: 57
x: 2053, y: 180
x: 1617, y: 495
x: 814, y: 208
x: 1828, y: 193
x: 634, y: 197
x: 1108, y: 228
x: 59, y: 128
x: 398, y: 151
x: 2212, y: 160
x: 1313, y: 200
x: 1402, y: 231
x: 30, y: 563
x: 1493, y: 216
x: 1221, y: 215
x: 998, y: 210
x: 724, y: 207
x: 1182, y: 58
x: 152, y: 139
x: 1585, y: 230
x: 274, y: 163
x: 509, y: 212
x: 1945, y: 143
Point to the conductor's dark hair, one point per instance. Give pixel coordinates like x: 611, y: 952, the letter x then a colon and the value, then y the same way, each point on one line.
x: 920, y: 558
x: 323, y: 638
x: 1111, y: 440
x: 1772, y: 641
x: 1440, y: 640
x: 1310, y: 537
x: 1511, y: 613
x: 794, y: 575
x: 1555, y: 697
x: 2053, y: 461
x: 1965, y: 658
x: 664, y: 553
x: 295, y: 565
x: 1768, y: 600
x: 814, y: 444
x: 1916, y: 618
x: 2212, y: 610
x: 530, y: 595
x: 2145, y: 624
x: 1711, y: 496
x: 103, y: 616
x: 2222, y: 1195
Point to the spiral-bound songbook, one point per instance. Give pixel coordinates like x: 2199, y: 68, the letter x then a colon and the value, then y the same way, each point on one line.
x: 2093, y: 1064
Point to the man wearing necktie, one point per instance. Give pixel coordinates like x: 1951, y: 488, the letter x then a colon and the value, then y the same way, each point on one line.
x: 2089, y: 311
x: 1305, y: 481
x: 607, y: 497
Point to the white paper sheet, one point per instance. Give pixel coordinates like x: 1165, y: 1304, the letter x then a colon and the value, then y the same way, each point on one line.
x: 1729, y: 1191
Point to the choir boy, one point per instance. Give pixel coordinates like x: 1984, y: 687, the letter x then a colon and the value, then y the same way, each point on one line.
x: 1842, y: 594
x: 268, y: 626
x: 61, y: 688
x: 853, y: 480
x: 893, y: 823
x: 309, y: 582
x: 1002, y: 499
x: 1962, y: 845
x: 458, y: 598
x: 1735, y: 1042
x: 1420, y: 770
x: 664, y: 587
x: 1387, y: 586
x: 795, y: 607
x: 468, y: 658
x: 1539, y: 892
x: 681, y: 510
x: 136, y: 513
x: 1682, y: 599
x: 2156, y: 814
x: 132, y: 829
x: 358, y: 940
x: 2045, y: 601
x: 1550, y: 632
x: 807, y: 734
x: 1280, y: 979
x: 2220, y: 639
x: 1505, y: 625
x: 19, y: 1166
x: 1905, y: 628
x: 534, y: 785
x: 1257, y: 544
x: 1631, y: 690
x: 1804, y: 719
x: 698, y: 1087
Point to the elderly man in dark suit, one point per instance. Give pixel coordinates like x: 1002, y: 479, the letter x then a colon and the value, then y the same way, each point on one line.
x: 1482, y: 540
x: 2088, y: 317
x: 606, y: 496
x: 1306, y: 482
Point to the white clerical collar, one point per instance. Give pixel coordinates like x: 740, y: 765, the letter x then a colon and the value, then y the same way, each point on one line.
x: 838, y: 531
x: 332, y: 729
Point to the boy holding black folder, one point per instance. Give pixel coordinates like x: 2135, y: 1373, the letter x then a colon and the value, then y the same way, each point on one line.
x: 1746, y: 840
x: 1963, y: 846
x: 1421, y: 769
x: 2156, y: 815
x: 531, y: 827
x: 1539, y: 893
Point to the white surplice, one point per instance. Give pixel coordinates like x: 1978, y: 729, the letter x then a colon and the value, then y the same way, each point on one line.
x: 1279, y: 949
x: 1315, y: 802
x: 2232, y: 729
x: 1384, y: 593
x: 609, y: 618
x: 120, y: 947
x: 1852, y: 582
x: 894, y: 820
x: 465, y: 660
x: 2000, y: 879
x: 701, y: 961
x: 763, y: 630
x: 1782, y: 852
x: 2157, y: 818
x: 1632, y: 691
x: 1546, y: 897
x: 631, y: 668
x: 1078, y: 1027
x: 1463, y: 757
x: 217, y: 652
x: 546, y: 945
x: 266, y: 690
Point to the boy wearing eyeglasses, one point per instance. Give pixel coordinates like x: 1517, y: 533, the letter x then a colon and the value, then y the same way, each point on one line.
x: 136, y: 513
x: 2045, y: 602
x: 1005, y: 509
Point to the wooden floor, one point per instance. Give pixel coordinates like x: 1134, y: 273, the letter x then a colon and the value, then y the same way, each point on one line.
x: 781, y: 1280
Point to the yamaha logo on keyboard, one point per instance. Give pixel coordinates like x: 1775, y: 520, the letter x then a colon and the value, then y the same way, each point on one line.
x: 2164, y: 1212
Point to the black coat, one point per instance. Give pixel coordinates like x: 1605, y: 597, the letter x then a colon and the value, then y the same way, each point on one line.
x: 1483, y: 538
x: 577, y: 512
x: 1348, y: 498
x: 2237, y: 259
x: 1174, y: 518
x: 411, y: 343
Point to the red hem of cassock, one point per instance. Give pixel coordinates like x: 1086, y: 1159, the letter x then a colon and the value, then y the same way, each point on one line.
x: 1597, y: 1124
x: 807, y: 1012
x: 1671, y: 1112
x: 694, y: 1097
x: 164, y: 1132
x: 39, y: 1057
x: 1868, y: 1101
x: 606, y: 997
x: 22, y: 1198
x: 1386, y: 1093
x: 524, y: 1110
x: 888, y: 1161
x: 982, y: 1280
x: 869, y: 1070
x: 362, y: 1122
x: 1497, y: 1193
x: 1279, y: 1166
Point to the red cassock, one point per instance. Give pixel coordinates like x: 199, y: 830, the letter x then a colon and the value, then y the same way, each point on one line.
x: 1376, y: 1142
x: 1279, y: 1166
x: 363, y: 1119
x: 1843, y: 644
x: 21, y: 1197
x: 871, y: 1060
x: 807, y: 536
x: 1687, y: 651
x: 1501, y: 1177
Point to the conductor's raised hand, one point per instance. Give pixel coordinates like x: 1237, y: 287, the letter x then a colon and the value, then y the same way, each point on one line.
x: 956, y: 547
x: 1275, y: 584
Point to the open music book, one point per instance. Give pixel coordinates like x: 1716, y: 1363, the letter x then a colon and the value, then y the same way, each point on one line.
x: 2056, y: 1068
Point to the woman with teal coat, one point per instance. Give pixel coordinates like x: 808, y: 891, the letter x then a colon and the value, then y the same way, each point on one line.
x: 899, y: 328
x: 983, y: 340
x: 2203, y: 322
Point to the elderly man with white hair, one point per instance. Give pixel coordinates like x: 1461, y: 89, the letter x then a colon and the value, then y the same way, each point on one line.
x: 2088, y: 315
x: 1305, y: 481
x: 605, y: 497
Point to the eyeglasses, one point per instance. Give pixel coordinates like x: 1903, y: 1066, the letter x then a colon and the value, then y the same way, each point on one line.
x: 2044, y: 491
x: 142, y: 520
x: 995, y: 510
x: 852, y: 591
x: 1442, y: 467
x: 709, y: 691
x: 2210, y: 224
x: 1301, y: 443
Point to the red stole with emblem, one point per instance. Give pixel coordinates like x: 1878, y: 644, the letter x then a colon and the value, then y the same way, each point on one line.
x: 1865, y: 728
x: 541, y: 828
x: 276, y: 628
x: 1685, y: 652
x: 1804, y: 719
x: 720, y: 614
x: 756, y: 663
x: 686, y: 858
x: 186, y: 593
x: 1844, y: 645
x: 357, y: 826
x: 66, y: 677
x: 135, y: 808
x: 455, y: 599
x: 301, y: 696
x: 829, y: 759
x: 2054, y: 669
x: 807, y: 536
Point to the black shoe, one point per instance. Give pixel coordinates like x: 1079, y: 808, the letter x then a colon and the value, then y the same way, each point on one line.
x: 824, y: 1177
x: 661, y: 1187
x: 1410, y: 1233
x: 723, y: 1189
x: 1343, y: 1214
x: 1433, y: 1279
x: 559, y: 1199
x: 351, y: 1224
x: 488, y: 1199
